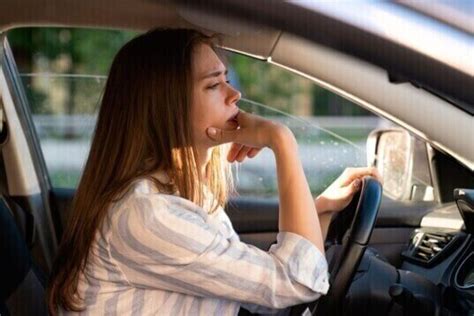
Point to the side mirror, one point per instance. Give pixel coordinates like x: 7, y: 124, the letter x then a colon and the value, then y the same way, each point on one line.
x: 403, y: 162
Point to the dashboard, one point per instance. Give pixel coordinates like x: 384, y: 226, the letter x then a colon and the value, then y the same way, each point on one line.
x: 464, y: 278
x: 436, y: 276
x: 442, y: 251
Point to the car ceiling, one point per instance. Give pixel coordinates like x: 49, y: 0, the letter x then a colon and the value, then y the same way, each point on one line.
x: 233, y: 19
x: 138, y: 15
x: 317, y: 26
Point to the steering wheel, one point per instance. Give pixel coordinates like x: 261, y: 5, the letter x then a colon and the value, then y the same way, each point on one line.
x: 352, y: 228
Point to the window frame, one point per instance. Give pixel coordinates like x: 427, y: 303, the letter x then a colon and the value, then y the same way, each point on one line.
x: 36, y: 203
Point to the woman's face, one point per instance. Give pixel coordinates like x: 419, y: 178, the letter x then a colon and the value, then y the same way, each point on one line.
x: 214, y: 100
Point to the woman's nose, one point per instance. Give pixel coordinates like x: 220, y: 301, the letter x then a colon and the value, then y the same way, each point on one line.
x: 234, y: 95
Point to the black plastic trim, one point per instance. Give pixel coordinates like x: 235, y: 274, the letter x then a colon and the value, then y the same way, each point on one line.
x: 43, y: 218
x: 450, y: 175
x: 466, y: 266
x: 457, y: 239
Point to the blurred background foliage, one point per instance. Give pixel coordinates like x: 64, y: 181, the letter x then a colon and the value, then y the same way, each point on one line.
x: 46, y: 54
x: 85, y: 51
x: 64, y: 71
x: 89, y: 52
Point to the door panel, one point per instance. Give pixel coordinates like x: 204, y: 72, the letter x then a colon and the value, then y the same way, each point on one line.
x: 61, y: 202
x: 402, y: 213
x: 256, y: 221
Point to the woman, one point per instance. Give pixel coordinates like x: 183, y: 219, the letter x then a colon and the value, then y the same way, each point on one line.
x: 147, y: 233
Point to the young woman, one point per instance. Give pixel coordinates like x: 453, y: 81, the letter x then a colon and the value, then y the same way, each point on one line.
x: 148, y: 234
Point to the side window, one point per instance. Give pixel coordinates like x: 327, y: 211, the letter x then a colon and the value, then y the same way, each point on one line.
x: 63, y: 72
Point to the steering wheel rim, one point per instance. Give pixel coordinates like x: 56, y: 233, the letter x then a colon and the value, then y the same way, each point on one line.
x: 353, y: 247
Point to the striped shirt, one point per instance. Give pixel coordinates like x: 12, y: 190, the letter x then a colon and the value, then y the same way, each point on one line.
x: 159, y: 254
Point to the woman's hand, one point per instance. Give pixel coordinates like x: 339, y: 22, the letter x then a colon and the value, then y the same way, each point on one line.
x: 340, y: 193
x: 239, y: 152
x: 253, y: 134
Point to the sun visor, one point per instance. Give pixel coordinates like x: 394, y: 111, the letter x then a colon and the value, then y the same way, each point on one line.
x: 253, y: 39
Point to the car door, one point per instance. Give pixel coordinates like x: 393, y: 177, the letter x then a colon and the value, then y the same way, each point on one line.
x: 57, y: 76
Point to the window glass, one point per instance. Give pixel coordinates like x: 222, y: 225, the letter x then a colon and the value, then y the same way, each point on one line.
x: 64, y: 72
x: 330, y: 130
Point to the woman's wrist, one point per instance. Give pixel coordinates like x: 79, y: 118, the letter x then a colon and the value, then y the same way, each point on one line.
x: 281, y: 139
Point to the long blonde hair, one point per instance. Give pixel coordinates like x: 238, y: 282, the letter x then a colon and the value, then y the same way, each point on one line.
x: 143, y: 126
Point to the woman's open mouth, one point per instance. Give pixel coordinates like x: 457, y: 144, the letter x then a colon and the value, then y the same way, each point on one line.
x: 234, y: 117
x: 233, y: 121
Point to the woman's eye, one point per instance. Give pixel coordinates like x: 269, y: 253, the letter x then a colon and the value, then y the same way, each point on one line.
x: 214, y: 86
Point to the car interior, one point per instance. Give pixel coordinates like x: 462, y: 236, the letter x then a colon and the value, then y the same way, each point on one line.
x: 407, y: 251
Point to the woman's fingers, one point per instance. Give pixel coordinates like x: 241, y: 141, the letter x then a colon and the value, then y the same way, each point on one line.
x: 253, y: 152
x: 243, y: 153
x: 254, y: 131
x: 239, y: 152
x: 222, y: 136
x: 233, y: 151
x: 351, y: 174
x: 355, y: 185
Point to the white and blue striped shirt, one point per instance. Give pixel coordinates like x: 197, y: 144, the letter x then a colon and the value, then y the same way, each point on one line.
x: 159, y: 254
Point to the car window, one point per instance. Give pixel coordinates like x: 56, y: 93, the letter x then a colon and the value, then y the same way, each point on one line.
x: 63, y: 72
x: 330, y: 130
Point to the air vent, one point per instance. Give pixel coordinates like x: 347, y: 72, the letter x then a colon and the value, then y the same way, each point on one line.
x: 429, y: 247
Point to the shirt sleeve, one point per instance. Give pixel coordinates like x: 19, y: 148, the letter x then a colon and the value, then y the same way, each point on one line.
x: 166, y: 242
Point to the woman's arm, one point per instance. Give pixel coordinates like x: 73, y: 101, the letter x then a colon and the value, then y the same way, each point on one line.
x: 297, y: 210
x: 325, y: 221
x: 299, y: 213
x: 166, y: 242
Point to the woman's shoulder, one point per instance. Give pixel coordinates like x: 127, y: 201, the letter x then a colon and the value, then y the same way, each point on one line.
x: 143, y: 195
x: 145, y: 213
